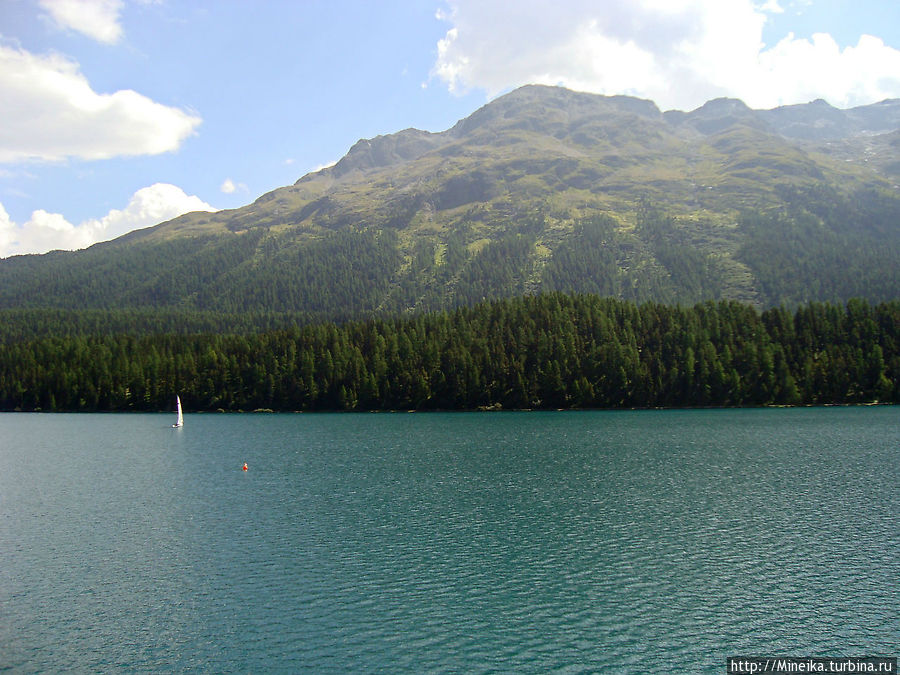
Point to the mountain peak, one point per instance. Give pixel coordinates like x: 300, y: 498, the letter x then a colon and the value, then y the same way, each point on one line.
x: 819, y: 120
x: 546, y: 109
x: 717, y: 115
x: 382, y: 151
x: 724, y: 104
x: 563, y: 113
x: 541, y: 189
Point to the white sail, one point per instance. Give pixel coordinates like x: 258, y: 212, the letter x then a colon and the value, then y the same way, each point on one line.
x: 179, y: 422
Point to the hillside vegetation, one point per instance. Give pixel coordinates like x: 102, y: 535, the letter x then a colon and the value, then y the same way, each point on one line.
x: 541, y: 190
x: 551, y: 351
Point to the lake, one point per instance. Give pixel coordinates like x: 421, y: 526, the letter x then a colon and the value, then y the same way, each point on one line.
x: 533, y: 542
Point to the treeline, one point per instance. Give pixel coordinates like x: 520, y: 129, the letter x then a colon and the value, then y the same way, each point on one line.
x: 339, y: 274
x: 656, y: 263
x: 812, y: 244
x: 20, y: 325
x: 822, y: 245
x: 546, y: 351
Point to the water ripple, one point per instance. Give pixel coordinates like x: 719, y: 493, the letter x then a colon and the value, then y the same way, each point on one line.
x: 513, y: 543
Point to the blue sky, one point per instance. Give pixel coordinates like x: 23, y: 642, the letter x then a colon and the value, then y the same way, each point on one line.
x: 120, y: 114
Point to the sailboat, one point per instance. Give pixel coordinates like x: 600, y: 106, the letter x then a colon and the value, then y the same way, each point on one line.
x: 179, y: 422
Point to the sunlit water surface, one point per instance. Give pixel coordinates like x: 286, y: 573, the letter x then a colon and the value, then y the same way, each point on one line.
x: 643, y: 541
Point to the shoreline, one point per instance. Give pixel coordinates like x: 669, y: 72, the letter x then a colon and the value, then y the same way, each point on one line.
x: 481, y: 409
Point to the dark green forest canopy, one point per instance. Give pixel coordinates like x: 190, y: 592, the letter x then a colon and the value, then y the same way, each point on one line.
x: 812, y: 244
x: 553, y: 350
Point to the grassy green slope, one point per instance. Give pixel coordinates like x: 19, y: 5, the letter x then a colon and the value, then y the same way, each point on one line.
x: 542, y: 189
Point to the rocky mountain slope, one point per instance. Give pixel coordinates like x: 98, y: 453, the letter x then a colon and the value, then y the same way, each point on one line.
x: 541, y: 189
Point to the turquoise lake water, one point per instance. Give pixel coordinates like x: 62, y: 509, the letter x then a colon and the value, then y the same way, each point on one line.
x: 570, y: 542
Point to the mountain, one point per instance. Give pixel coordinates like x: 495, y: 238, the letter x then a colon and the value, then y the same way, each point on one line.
x: 542, y: 189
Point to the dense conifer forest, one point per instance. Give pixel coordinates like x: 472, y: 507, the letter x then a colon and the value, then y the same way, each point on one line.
x: 553, y: 350
x: 819, y: 247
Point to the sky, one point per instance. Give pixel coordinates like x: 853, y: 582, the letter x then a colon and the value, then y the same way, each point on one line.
x: 120, y: 114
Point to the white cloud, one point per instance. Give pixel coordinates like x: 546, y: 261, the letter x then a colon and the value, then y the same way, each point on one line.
x: 98, y: 19
x: 43, y: 232
x: 230, y: 187
x: 680, y: 53
x: 327, y: 165
x: 50, y: 231
x: 819, y: 68
x: 50, y: 113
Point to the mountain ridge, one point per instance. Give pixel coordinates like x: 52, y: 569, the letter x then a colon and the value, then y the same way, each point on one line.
x: 540, y: 189
x: 793, y: 121
x: 802, y: 121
